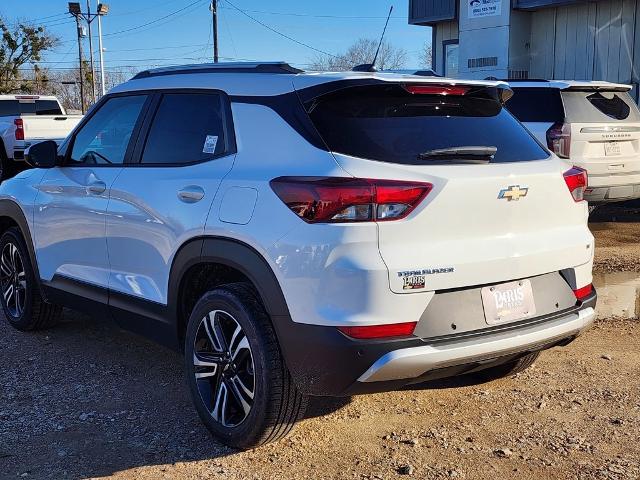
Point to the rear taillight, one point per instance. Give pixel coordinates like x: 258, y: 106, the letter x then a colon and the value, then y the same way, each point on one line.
x: 559, y: 139
x: 584, y: 292
x: 338, y: 199
x: 369, y: 332
x: 19, y: 128
x: 577, y: 181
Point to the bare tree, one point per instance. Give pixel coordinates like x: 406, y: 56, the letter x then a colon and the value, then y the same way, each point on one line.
x: 65, y: 84
x: 426, y: 55
x: 361, y: 52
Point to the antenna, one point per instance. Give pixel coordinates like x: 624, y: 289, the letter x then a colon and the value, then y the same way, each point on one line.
x: 382, y: 37
x: 371, y: 67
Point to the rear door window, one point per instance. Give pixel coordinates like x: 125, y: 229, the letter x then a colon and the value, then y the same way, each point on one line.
x: 601, y: 106
x: 389, y: 124
x: 532, y: 104
x: 187, y: 128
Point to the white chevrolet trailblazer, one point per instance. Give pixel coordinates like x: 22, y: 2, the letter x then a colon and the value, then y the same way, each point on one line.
x: 300, y: 234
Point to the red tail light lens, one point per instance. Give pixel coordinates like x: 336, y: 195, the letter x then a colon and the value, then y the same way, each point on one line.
x: 379, y: 331
x: 577, y: 181
x: 19, y: 128
x: 559, y: 139
x: 583, y: 292
x: 436, y: 89
x: 338, y: 200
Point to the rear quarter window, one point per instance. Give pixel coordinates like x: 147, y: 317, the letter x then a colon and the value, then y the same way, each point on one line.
x: 388, y: 124
x: 531, y: 104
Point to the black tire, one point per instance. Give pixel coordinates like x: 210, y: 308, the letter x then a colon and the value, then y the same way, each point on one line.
x: 7, y: 167
x: 26, y: 310
x: 508, y: 369
x: 275, y: 402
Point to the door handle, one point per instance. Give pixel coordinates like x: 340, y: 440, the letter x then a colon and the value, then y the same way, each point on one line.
x: 97, y: 187
x: 191, y: 194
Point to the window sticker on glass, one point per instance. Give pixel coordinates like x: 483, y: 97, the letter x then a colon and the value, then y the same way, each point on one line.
x: 210, y: 144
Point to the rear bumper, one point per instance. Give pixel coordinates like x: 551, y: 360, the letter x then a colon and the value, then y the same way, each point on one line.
x: 612, y: 193
x: 613, y: 187
x: 325, y: 362
x: 410, y: 363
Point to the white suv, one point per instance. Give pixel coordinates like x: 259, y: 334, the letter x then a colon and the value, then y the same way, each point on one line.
x: 594, y: 125
x: 303, y: 234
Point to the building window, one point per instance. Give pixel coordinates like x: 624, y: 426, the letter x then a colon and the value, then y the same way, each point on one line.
x: 450, y: 58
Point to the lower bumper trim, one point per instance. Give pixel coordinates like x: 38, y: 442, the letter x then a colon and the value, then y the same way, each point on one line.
x: 414, y: 362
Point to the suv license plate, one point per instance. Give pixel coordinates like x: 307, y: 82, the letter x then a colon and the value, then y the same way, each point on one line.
x: 612, y: 149
x: 508, y: 302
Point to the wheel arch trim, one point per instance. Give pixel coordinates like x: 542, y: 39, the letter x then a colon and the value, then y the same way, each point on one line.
x: 232, y: 253
x: 13, y: 211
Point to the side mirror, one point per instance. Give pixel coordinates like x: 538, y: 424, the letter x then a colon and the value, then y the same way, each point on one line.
x: 42, y: 155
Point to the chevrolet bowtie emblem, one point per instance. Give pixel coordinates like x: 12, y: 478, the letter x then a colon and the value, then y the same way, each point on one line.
x: 514, y: 192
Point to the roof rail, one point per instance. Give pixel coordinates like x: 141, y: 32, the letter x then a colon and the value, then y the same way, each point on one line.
x: 524, y: 80
x: 224, y: 67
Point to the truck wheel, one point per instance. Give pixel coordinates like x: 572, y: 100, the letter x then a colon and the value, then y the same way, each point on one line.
x: 238, y: 381
x: 508, y: 369
x: 21, y: 301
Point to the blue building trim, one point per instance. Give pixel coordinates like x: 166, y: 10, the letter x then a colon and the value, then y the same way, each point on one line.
x: 429, y: 12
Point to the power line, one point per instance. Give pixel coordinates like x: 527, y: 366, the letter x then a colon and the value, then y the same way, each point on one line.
x: 27, y: 21
x: 278, y: 32
x: 153, y: 21
x: 343, y: 17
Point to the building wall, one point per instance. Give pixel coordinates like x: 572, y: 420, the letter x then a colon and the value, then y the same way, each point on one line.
x: 591, y: 41
x: 444, y: 31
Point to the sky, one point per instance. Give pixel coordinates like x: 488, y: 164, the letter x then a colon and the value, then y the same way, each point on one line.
x: 139, y: 34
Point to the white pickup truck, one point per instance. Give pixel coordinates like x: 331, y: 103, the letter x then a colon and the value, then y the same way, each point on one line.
x: 26, y: 120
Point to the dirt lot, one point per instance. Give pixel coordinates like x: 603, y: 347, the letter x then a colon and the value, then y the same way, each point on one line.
x: 86, y: 400
x: 617, y: 232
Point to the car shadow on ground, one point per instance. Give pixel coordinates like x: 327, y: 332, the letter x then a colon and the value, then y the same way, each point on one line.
x: 619, y: 212
x: 86, y: 399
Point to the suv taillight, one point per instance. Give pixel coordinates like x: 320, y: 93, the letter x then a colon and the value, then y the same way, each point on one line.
x: 19, y: 128
x: 339, y: 200
x: 577, y: 180
x: 559, y: 139
x: 584, y: 292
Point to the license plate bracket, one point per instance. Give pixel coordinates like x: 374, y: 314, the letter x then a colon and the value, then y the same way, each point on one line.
x: 508, y: 302
x: 612, y: 149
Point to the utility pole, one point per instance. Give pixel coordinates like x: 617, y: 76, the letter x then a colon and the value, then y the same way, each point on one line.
x: 100, y: 14
x: 214, y: 18
x: 93, y: 71
x: 76, y: 11
x: 79, y: 30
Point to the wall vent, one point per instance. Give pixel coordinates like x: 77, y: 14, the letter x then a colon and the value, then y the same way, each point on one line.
x: 518, y: 74
x: 482, y: 62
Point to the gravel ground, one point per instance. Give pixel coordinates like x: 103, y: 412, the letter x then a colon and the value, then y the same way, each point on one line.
x: 86, y: 400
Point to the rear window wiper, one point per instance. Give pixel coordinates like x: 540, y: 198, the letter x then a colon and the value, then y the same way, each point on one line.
x: 476, y: 154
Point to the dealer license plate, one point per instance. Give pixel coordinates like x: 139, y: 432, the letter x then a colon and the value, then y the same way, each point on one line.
x: 612, y: 149
x: 508, y: 302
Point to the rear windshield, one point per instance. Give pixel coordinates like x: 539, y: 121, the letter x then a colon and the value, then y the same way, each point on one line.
x: 386, y: 123
x: 530, y: 104
x: 601, y: 106
x: 29, y: 107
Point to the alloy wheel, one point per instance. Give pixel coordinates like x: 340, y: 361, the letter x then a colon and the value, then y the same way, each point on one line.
x: 13, y: 280
x: 224, y: 369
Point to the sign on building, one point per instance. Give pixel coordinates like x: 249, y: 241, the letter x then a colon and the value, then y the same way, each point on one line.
x: 484, y: 8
